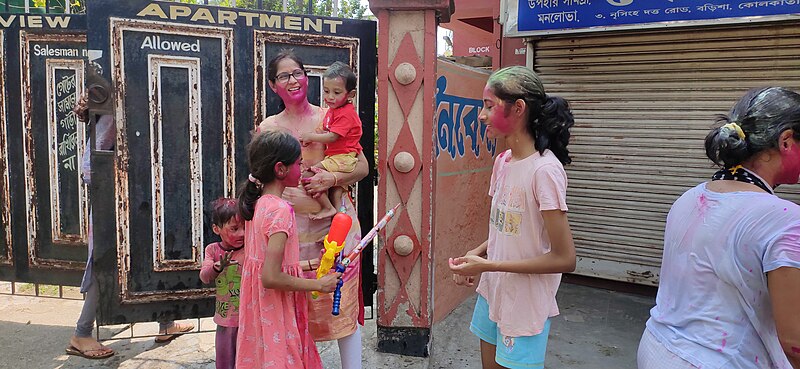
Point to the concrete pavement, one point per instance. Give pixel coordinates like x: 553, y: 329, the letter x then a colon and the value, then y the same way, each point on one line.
x: 597, y: 329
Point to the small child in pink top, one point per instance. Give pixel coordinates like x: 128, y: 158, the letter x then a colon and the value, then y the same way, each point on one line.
x: 273, y: 317
x: 222, y: 265
x: 530, y: 242
x: 340, y: 132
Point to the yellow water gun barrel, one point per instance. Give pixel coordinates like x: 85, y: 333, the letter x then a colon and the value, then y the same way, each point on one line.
x: 334, y: 243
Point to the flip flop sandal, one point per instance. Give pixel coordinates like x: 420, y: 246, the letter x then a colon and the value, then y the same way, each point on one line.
x: 173, y: 336
x: 72, y: 350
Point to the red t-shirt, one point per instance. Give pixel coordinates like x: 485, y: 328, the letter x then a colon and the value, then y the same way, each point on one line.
x: 344, y: 122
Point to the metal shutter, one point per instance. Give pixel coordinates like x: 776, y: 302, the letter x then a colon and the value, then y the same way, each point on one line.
x: 643, y: 103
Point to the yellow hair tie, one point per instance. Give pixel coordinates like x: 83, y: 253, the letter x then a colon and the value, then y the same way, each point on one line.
x: 734, y: 169
x: 736, y: 128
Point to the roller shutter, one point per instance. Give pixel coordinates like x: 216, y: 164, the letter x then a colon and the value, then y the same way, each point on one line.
x: 643, y: 103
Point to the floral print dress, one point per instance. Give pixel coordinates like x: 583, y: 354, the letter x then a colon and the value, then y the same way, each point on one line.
x: 273, y: 324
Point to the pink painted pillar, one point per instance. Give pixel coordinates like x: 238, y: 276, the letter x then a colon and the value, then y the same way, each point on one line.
x: 406, y: 88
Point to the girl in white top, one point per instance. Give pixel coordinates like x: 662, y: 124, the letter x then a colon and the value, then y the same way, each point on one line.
x: 730, y: 278
x: 530, y: 243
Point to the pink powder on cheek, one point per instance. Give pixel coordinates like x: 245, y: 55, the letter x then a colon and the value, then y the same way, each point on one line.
x: 292, y: 98
x: 292, y: 178
x: 795, y: 350
x: 790, y: 166
x: 501, y: 122
x: 496, y: 117
x: 232, y: 238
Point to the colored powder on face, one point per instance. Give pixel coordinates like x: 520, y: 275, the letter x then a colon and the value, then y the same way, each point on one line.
x: 291, y: 98
x: 795, y: 350
x: 496, y: 117
x: 232, y: 233
x: 791, y: 166
x: 292, y: 178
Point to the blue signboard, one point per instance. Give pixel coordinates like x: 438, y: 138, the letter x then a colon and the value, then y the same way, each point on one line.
x: 561, y: 15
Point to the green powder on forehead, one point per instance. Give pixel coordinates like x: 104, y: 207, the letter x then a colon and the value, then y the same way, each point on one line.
x: 503, y: 76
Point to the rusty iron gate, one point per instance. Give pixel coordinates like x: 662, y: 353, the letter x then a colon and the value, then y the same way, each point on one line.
x: 188, y: 85
x: 44, y: 205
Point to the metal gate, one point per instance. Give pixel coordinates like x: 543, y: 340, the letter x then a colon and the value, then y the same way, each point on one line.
x: 44, y: 205
x: 188, y: 85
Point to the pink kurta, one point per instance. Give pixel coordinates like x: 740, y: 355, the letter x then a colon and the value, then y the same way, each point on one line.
x: 273, y: 324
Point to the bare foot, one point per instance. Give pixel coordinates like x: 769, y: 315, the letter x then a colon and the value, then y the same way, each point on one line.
x: 173, y: 332
x: 324, y: 213
x: 89, y: 347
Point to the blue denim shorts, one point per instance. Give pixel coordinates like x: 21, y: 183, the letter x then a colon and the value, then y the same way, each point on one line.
x: 523, y: 352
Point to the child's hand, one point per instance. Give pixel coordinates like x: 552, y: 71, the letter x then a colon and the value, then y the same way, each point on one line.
x: 468, y: 265
x: 306, y: 139
x: 224, y: 261
x: 463, y: 280
x: 327, y: 284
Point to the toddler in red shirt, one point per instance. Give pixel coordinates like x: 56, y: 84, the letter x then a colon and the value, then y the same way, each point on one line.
x: 340, y: 132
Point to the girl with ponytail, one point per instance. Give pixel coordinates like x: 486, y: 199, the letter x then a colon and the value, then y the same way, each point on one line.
x: 530, y: 242
x: 273, y: 290
x: 730, y: 278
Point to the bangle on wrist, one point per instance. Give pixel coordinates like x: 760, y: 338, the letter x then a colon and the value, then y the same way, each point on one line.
x: 215, y: 269
x: 335, y: 179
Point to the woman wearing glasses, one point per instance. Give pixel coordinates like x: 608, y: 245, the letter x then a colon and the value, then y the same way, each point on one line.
x: 287, y: 78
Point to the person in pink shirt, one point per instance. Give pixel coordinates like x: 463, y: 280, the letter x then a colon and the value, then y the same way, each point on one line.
x: 273, y: 315
x: 221, y: 265
x: 530, y: 242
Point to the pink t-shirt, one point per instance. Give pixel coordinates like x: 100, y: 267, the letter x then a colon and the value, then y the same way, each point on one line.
x: 521, y: 303
x: 228, y: 283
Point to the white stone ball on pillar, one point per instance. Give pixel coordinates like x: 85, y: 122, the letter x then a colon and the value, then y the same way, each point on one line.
x: 403, y: 245
x: 405, y: 73
x: 404, y: 162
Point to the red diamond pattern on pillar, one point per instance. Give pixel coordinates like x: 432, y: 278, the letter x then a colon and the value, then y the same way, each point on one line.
x: 406, y: 94
x: 405, y: 181
x: 403, y: 264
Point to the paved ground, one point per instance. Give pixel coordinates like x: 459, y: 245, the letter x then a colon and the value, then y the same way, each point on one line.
x: 597, y: 329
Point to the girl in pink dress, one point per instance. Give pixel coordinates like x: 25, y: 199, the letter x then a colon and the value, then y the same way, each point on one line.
x: 273, y: 313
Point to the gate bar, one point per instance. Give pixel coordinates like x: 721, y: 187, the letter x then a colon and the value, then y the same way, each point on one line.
x: 132, y: 336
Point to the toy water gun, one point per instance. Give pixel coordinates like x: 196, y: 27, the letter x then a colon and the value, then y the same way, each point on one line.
x: 342, y: 266
x: 334, y: 243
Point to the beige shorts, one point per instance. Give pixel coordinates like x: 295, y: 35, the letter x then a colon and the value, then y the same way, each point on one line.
x: 343, y: 163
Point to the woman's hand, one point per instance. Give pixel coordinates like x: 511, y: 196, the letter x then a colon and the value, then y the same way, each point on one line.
x: 469, y: 265
x: 327, y: 284
x: 319, y: 183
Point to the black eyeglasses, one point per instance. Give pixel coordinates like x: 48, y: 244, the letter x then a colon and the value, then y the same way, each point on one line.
x: 284, y: 77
